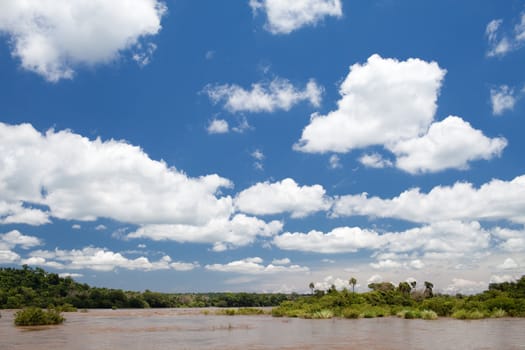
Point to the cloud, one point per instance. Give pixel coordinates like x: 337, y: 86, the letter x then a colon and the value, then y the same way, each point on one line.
x: 374, y: 160
x: 502, y: 99
x: 495, y: 200
x: 100, y: 259
x: 383, y: 101
x: 510, y: 240
x: 8, y: 257
x: 16, y: 212
x: 53, y: 37
x: 72, y: 275
x: 223, y: 233
x: 255, y: 266
x: 335, y: 162
x: 15, y: 238
x: 76, y: 227
x: 279, y: 94
x: 508, y: 264
x: 267, y: 198
x: 451, y: 238
x: 82, y: 179
x: 448, y: 144
x: 285, y: 16
x: 258, y: 156
x: 284, y: 261
x: 339, y: 240
x: 464, y: 286
x: 218, y: 126
x: 101, y: 227
x: 500, y: 43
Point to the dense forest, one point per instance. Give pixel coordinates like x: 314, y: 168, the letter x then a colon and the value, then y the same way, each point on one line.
x: 35, y: 287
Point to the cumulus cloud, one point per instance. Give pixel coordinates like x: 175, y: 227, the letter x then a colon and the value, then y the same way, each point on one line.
x: 495, y: 200
x: 255, y: 266
x: 285, y: 16
x: 82, y: 179
x: 443, y: 239
x: 16, y: 212
x: 383, y: 101
x: 223, y: 233
x: 267, y: 198
x: 450, y: 143
x: 339, y: 240
x: 218, y: 126
x: 391, y: 103
x: 279, y: 94
x: 374, y: 160
x: 8, y: 257
x: 510, y: 240
x: 100, y: 259
x: 15, y: 238
x: 502, y: 99
x: 53, y: 37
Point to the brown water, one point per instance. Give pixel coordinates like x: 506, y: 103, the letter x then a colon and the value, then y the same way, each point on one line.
x: 190, y: 329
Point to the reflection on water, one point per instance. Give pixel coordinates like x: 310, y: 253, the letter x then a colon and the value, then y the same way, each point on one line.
x: 190, y: 329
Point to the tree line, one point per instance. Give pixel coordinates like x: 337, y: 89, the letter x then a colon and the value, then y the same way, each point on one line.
x: 28, y: 287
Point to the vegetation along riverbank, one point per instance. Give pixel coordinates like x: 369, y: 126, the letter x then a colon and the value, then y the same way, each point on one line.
x: 33, y: 287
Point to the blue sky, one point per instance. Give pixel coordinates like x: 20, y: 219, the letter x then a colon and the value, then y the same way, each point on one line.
x: 260, y: 145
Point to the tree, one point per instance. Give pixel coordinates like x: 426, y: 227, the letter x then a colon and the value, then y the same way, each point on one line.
x: 352, y: 282
x: 312, y: 286
x: 413, y: 284
x: 404, y: 288
x: 428, y: 290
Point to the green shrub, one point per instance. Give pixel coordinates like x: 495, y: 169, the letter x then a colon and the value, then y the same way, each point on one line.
x: 323, y: 314
x: 463, y: 314
x: 497, y: 313
x: 34, y: 316
x: 66, y: 308
x: 351, y: 313
x: 429, y: 315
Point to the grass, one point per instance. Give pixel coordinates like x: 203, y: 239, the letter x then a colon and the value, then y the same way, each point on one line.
x: 429, y: 315
x: 34, y: 316
x: 498, y: 313
x: 463, y: 314
x: 244, y: 311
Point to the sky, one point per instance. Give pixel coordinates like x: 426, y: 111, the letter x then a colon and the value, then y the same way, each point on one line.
x: 260, y: 145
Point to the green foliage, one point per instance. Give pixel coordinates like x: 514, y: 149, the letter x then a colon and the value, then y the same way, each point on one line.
x: 463, y: 314
x: 35, y: 316
x: 245, y: 311
x: 35, y: 287
x: 429, y: 315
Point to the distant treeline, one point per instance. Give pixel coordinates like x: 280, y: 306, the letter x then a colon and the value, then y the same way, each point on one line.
x: 35, y: 287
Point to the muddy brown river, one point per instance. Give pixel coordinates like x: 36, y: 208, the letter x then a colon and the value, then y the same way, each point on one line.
x: 191, y: 329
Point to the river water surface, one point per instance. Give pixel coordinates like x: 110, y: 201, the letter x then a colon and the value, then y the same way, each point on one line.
x: 192, y: 329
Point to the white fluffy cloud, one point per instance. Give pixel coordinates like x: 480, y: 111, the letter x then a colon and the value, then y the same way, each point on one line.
x: 510, y: 240
x: 84, y: 179
x: 223, y: 233
x: 53, y: 37
x: 279, y: 94
x: 391, y: 103
x: 100, y: 259
x: 218, y: 126
x: 15, y: 238
x: 339, y: 240
x: 495, y: 200
x: 285, y: 16
x: 285, y: 196
x: 508, y: 264
x: 383, y: 101
x: 374, y: 160
x: 450, y: 143
x: 464, y: 286
x: 451, y: 238
x: 255, y: 266
x: 14, y: 212
x: 502, y: 99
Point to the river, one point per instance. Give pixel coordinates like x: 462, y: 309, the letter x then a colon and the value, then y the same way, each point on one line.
x: 191, y: 329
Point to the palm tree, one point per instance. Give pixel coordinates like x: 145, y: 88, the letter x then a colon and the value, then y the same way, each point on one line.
x: 312, y: 286
x: 352, y: 282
